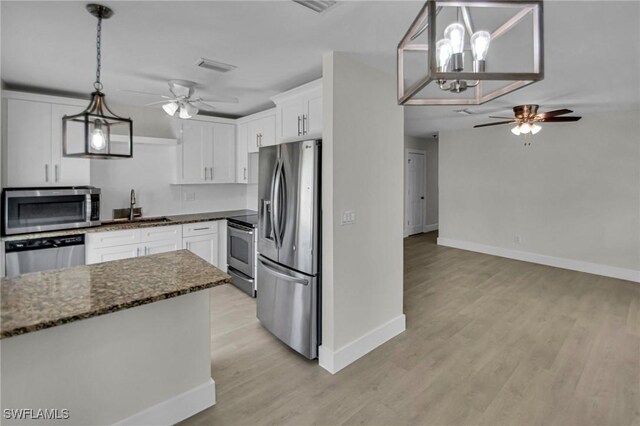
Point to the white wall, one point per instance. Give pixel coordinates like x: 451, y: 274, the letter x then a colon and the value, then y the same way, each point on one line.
x: 152, y: 170
x: 362, y: 171
x: 573, y: 194
x: 430, y: 146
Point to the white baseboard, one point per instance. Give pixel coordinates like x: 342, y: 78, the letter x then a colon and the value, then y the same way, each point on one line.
x: 558, y: 262
x: 429, y: 228
x: 336, y: 361
x: 176, y: 409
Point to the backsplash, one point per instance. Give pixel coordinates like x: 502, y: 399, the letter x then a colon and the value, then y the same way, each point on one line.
x: 150, y: 173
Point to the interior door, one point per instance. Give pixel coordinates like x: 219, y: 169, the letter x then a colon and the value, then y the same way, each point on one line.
x: 299, y: 227
x: 415, y: 197
x: 287, y: 306
x: 268, y: 165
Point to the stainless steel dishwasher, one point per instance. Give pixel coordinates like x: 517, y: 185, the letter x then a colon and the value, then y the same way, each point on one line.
x: 43, y: 254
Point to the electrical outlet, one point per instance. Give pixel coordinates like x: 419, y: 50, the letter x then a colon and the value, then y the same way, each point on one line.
x: 348, y: 217
x: 189, y: 196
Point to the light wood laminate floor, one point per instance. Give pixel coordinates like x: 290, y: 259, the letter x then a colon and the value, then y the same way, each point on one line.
x: 489, y: 341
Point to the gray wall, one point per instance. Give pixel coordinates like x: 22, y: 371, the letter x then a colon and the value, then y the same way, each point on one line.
x: 573, y: 194
x: 363, y: 134
x: 430, y: 146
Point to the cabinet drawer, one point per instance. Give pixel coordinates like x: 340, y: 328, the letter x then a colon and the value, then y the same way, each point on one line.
x: 107, y: 254
x: 158, y: 233
x: 200, y: 228
x: 112, y: 238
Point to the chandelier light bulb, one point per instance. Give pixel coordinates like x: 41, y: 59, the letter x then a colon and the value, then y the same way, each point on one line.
x: 171, y: 108
x: 535, y: 128
x: 98, y: 139
x: 455, y: 34
x: 443, y: 54
x: 184, y: 113
x: 516, y: 130
x: 480, y: 41
x: 525, y: 128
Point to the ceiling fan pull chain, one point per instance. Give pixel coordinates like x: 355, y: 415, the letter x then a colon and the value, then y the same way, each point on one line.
x: 97, y: 84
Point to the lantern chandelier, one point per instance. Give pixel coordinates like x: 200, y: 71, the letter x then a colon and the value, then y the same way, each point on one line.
x: 93, y: 132
x: 443, y: 52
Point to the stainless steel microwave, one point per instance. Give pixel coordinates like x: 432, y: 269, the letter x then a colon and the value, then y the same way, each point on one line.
x: 28, y: 210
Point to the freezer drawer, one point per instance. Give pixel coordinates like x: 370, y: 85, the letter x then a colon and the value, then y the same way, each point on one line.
x: 288, y: 306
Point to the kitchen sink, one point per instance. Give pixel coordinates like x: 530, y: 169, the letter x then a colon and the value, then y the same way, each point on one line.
x: 160, y: 219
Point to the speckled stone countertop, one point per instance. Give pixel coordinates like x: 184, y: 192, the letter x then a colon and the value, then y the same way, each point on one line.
x: 119, y: 226
x: 40, y: 300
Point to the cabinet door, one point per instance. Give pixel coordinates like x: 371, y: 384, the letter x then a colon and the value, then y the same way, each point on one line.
x: 313, y: 113
x: 196, y: 140
x: 205, y: 246
x: 268, y: 131
x: 28, y: 144
x: 106, y: 254
x: 242, y: 155
x: 67, y: 171
x: 224, y: 153
x: 291, y: 118
x: 254, y: 130
x: 161, y: 246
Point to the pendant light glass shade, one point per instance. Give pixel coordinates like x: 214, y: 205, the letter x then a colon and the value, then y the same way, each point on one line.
x: 97, y: 132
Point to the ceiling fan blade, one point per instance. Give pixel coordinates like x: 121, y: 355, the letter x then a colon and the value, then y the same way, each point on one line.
x: 553, y: 113
x: 203, y: 105
x: 494, y: 124
x: 559, y: 119
x: 221, y: 99
x: 160, y: 102
x: 504, y: 118
x: 137, y: 92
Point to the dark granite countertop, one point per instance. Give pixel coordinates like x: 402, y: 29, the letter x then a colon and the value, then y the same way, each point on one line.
x: 40, y: 300
x: 119, y: 226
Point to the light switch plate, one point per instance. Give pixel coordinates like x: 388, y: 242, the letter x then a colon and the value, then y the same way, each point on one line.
x: 348, y: 217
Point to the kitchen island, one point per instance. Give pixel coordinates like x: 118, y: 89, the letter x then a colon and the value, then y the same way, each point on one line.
x: 123, y: 342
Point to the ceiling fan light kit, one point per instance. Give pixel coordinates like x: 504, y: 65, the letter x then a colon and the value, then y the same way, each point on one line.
x: 433, y: 51
x: 97, y: 123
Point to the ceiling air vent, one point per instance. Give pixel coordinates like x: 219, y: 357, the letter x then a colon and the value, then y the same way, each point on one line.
x: 214, y: 65
x: 317, y: 5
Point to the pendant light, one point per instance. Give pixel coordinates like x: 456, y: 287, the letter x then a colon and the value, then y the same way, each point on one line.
x: 97, y: 132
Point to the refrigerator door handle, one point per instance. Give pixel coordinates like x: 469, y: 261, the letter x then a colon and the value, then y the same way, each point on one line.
x: 282, y: 205
x: 275, y: 204
x: 281, y: 275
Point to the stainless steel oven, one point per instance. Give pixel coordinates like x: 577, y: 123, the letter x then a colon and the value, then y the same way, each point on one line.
x: 30, y: 210
x: 241, y: 252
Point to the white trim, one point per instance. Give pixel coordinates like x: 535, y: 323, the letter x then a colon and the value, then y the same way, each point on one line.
x: 36, y: 97
x: 558, y: 262
x: 177, y: 408
x: 429, y: 228
x: 297, y: 91
x: 336, y: 361
x: 422, y: 152
x: 271, y: 112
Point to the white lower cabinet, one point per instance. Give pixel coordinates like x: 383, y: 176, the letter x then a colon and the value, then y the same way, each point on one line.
x: 116, y: 245
x: 202, y: 239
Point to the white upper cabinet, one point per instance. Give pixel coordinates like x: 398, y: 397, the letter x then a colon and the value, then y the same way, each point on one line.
x: 299, y: 112
x: 242, y: 154
x: 207, y: 152
x: 261, y: 131
x: 32, y: 144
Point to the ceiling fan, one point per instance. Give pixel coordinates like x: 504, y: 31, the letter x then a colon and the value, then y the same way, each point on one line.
x: 182, y: 101
x: 527, y: 118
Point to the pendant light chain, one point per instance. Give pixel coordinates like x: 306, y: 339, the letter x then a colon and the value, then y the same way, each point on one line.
x: 97, y: 85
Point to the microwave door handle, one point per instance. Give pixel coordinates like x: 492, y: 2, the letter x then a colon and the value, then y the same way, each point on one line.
x: 281, y: 275
x: 87, y: 207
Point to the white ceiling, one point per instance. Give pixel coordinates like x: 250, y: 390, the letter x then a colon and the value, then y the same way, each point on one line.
x: 592, y: 51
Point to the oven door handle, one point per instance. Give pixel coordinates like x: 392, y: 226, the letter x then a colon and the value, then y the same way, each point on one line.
x: 240, y: 230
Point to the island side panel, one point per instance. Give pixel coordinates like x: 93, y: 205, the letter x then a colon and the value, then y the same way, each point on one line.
x: 134, y: 365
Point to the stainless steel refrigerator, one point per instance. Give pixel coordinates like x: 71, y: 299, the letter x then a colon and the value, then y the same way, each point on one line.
x: 289, y: 244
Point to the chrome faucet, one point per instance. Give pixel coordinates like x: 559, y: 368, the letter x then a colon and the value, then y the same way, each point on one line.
x: 133, y: 203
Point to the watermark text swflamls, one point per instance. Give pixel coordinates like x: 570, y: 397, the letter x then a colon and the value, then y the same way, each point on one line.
x: 35, y: 413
